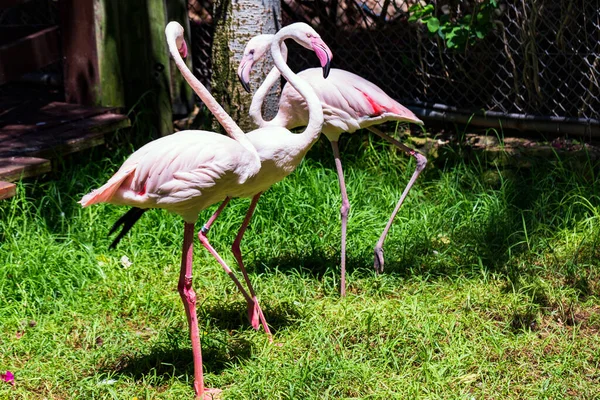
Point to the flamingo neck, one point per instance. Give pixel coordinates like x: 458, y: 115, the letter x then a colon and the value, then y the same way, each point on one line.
x: 261, y: 93
x: 232, y: 129
x: 315, y: 112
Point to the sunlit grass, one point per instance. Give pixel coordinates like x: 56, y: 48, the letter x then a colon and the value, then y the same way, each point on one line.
x: 490, y: 287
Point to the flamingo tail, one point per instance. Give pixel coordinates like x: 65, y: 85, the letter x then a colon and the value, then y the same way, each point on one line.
x: 107, y: 191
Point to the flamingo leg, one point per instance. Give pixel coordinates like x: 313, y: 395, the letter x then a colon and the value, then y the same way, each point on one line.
x: 212, y: 219
x: 344, y: 210
x: 254, y: 311
x: 252, y: 301
x: 204, y: 240
x: 188, y: 296
x: 421, y: 163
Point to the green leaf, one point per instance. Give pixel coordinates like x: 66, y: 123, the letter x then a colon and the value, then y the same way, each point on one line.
x: 428, y: 8
x: 433, y: 24
x: 453, y: 32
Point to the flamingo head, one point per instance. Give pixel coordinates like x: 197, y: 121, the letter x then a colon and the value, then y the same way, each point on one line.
x: 254, y: 51
x: 307, y: 37
x: 300, y: 32
x: 174, y: 32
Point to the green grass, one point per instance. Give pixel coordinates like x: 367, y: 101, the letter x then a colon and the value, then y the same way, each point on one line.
x: 490, y: 287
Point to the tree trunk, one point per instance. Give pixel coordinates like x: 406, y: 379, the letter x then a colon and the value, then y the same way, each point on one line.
x: 236, y: 21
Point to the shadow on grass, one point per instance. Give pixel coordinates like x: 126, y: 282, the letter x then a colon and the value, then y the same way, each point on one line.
x: 167, y: 359
x: 165, y: 363
x: 315, y: 264
x: 232, y: 317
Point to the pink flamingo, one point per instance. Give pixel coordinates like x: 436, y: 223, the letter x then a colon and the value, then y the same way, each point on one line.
x: 349, y: 103
x: 189, y: 171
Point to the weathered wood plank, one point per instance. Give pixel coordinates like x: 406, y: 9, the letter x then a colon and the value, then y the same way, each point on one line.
x: 61, y: 139
x: 37, y: 117
x: 14, y: 168
x: 73, y: 140
x: 29, y: 53
x: 7, y: 190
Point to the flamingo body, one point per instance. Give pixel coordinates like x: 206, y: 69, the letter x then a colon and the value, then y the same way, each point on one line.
x: 183, y: 173
x: 349, y: 103
x: 189, y: 171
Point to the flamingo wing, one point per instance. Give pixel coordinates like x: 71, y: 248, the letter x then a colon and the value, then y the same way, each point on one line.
x: 349, y: 102
x: 179, y: 172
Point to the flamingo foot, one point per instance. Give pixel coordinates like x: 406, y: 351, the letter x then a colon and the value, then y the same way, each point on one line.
x: 207, y: 393
x: 378, y: 260
x: 253, y: 314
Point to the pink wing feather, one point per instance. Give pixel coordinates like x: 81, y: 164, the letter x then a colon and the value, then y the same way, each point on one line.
x: 106, y: 192
x: 179, y: 173
x: 349, y: 101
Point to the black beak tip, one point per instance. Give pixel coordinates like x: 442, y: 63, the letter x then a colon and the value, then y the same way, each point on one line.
x: 245, y: 85
x: 326, y: 69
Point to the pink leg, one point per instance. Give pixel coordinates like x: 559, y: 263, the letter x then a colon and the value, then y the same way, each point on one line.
x: 344, y: 210
x: 421, y: 163
x: 212, y: 219
x: 188, y: 296
x: 207, y: 246
x: 254, y: 310
x: 252, y: 304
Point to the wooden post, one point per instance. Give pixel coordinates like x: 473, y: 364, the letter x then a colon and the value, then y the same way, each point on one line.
x: 116, y: 55
x: 182, y: 95
x: 145, y: 61
x: 107, y: 32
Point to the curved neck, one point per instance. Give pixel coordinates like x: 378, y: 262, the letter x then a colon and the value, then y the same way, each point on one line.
x: 315, y: 111
x: 261, y: 93
x: 232, y: 129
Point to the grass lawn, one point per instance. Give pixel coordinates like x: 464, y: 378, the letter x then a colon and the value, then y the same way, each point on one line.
x: 490, y: 288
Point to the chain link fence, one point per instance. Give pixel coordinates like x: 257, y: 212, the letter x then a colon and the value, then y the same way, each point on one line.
x: 537, y: 57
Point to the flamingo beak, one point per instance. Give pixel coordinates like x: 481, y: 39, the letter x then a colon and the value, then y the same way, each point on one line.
x: 183, y: 49
x: 323, y: 54
x: 243, y: 71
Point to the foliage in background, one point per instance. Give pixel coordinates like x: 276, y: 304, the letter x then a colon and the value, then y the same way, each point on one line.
x: 459, y: 24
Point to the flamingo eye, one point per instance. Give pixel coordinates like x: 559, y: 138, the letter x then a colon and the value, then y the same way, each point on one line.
x: 309, y: 35
x: 251, y: 52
